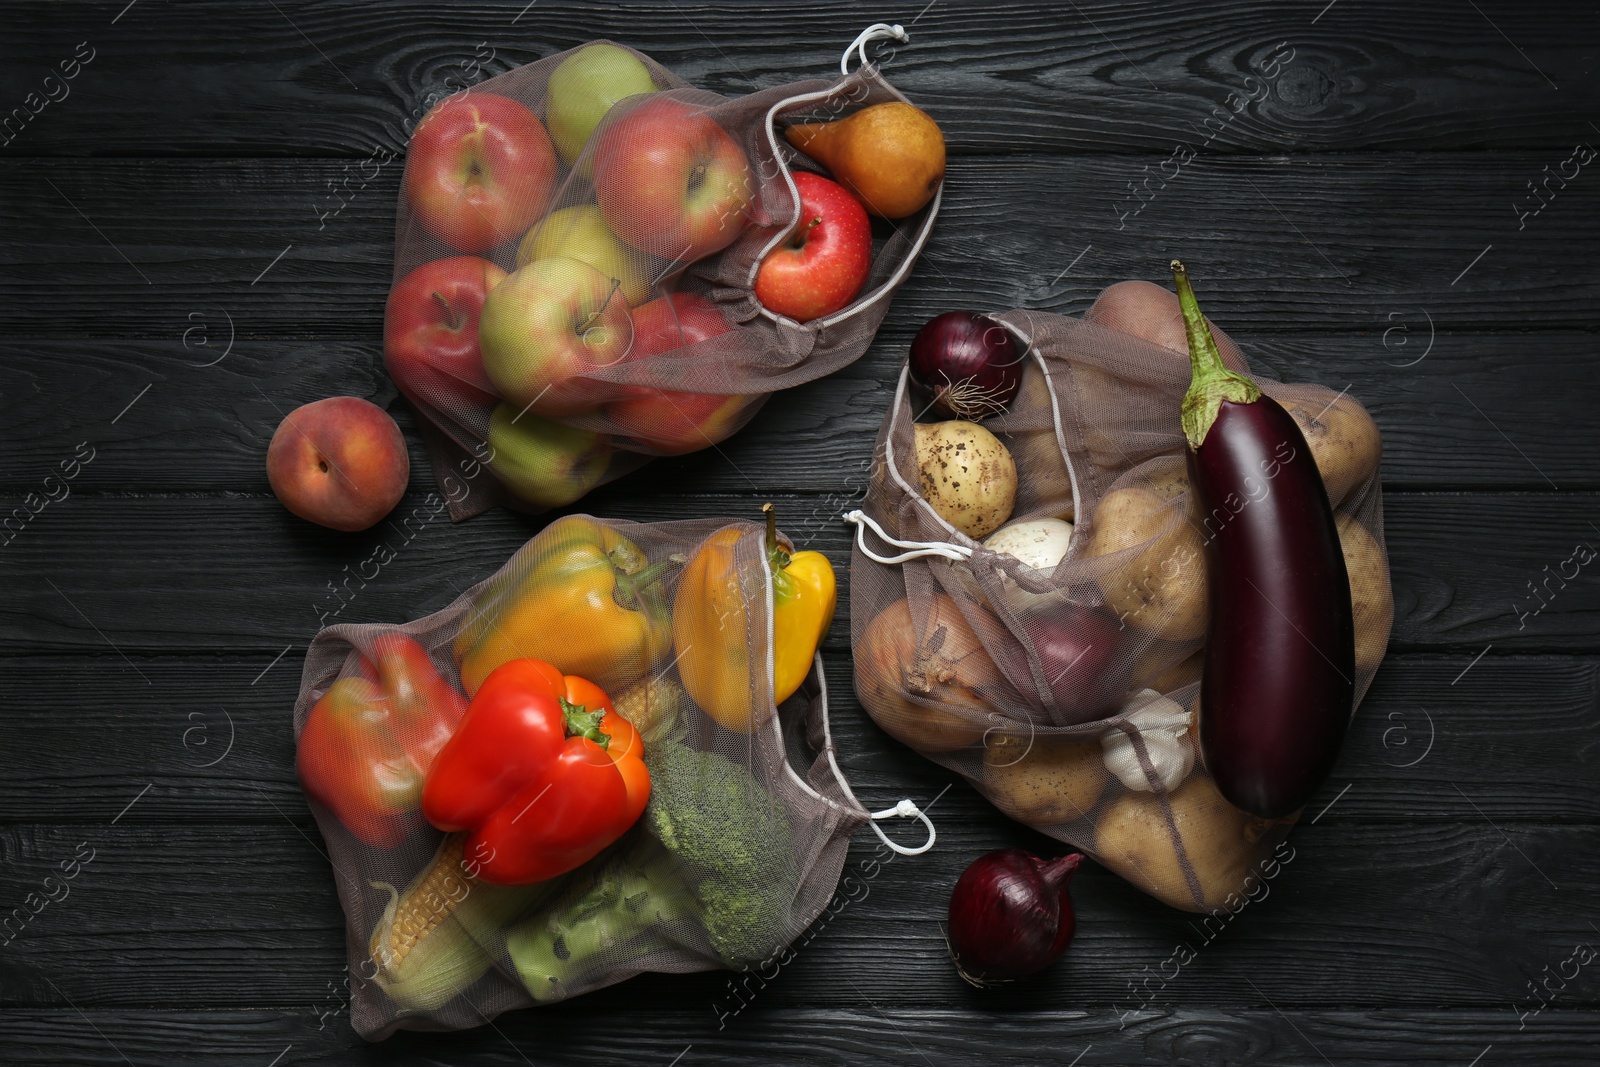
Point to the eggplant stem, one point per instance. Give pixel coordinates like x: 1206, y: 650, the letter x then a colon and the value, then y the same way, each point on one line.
x: 1212, y: 381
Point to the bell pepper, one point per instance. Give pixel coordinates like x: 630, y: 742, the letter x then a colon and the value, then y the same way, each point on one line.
x: 710, y: 626
x: 583, y: 597
x: 368, y: 743
x: 542, y: 774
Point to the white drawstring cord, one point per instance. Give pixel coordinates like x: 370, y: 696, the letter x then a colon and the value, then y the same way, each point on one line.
x: 918, y: 549
x: 876, y: 32
x: 904, y: 810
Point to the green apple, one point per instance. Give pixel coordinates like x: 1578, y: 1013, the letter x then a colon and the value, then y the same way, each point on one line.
x: 583, y: 88
x: 544, y: 462
x: 545, y: 328
x: 581, y: 233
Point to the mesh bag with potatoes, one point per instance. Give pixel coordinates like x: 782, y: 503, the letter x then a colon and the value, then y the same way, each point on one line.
x: 628, y: 326
x: 740, y: 846
x: 1068, y: 694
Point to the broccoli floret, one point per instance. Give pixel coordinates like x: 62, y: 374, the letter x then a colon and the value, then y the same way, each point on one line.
x: 733, y: 838
x: 711, y: 862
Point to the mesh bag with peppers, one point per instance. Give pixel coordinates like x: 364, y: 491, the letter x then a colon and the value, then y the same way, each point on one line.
x: 610, y: 757
x: 576, y: 258
x: 1068, y: 642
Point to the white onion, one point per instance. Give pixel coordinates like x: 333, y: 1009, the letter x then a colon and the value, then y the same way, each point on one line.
x: 1039, y: 543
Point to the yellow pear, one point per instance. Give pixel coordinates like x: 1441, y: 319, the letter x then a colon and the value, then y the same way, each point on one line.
x: 891, y: 156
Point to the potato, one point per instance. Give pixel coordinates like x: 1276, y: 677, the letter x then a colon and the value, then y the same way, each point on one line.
x: 940, y: 661
x: 1151, y: 312
x: 1154, y: 668
x: 1162, y: 590
x: 1044, y: 486
x: 1167, y: 477
x: 1223, y: 844
x: 1043, y: 781
x: 1370, y: 596
x: 966, y: 474
x: 1143, y: 309
x: 1344, y: 441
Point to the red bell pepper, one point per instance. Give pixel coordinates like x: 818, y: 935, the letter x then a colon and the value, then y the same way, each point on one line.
x: 542, y: 774
x: 368, y: 743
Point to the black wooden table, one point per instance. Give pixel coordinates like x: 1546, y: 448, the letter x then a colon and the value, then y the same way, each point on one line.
x: 1389, y: 197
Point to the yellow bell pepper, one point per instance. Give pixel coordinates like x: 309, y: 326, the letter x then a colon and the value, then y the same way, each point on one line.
x: 582, y: 598
x: 711, y: 626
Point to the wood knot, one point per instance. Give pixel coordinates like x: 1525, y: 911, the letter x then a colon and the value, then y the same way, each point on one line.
x: 1306, y: 86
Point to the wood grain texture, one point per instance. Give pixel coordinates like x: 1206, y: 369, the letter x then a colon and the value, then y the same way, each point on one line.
x: 214, y: 738
x: 1313, y: 245
x: 329, y: 78
x: 877, y: 1029
x: 205, y: 429
x: 191, y: 573
x: 1358, y: 211
x: 1461, y: 915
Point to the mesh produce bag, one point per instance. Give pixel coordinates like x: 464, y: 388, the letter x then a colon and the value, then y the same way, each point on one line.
x: 738, y: 851
x: 677, y: 353
x: 959, y: 648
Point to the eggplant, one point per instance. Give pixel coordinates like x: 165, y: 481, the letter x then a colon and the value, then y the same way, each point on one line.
x: 1279, y: 677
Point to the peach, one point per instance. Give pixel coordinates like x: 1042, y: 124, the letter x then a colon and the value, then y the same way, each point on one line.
x: 339, y: 462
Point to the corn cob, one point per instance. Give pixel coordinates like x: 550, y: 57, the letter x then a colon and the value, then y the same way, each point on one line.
x: 430, y: 943
x: 651, y: 706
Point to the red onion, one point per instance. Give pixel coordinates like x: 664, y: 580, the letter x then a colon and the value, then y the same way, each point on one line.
x: 1077, y: 648
x: 969, y: 364
x: 1010, y: 915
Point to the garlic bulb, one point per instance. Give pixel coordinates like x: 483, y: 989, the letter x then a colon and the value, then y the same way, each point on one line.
x: 1163, y: 727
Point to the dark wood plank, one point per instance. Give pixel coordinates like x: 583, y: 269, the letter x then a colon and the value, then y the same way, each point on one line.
x: 215, y: 743
x: 188, y: 573
x: 1313, y: 246
x: 312, y: 79
x: 1360, y: 914
x: 876, y: 1030
x: 206, y: 428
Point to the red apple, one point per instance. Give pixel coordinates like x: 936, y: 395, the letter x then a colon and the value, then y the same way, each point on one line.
x: 668, y: 423
x: 824, y: 262
x: 672, y: 422
x: 339, y: 462
x: 480, y: 169
x: 670, y: 324
x: 430, y: 333
x: 547, y: 325
x: 671, y: 182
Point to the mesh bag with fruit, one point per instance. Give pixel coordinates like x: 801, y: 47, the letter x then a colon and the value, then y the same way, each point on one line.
x: 610, y: 757
x: 597, y: 263
x: 1048, y: 597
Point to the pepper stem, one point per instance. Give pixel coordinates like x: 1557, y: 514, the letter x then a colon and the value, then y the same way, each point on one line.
x: 1212, y: 382
x: 581, y: 722
x: 630, y: 587
x: 775, y: 553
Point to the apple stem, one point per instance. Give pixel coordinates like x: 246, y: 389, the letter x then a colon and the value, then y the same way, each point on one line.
x: 804, y: 231
x: 586, y: 324
x: 453, y: 319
